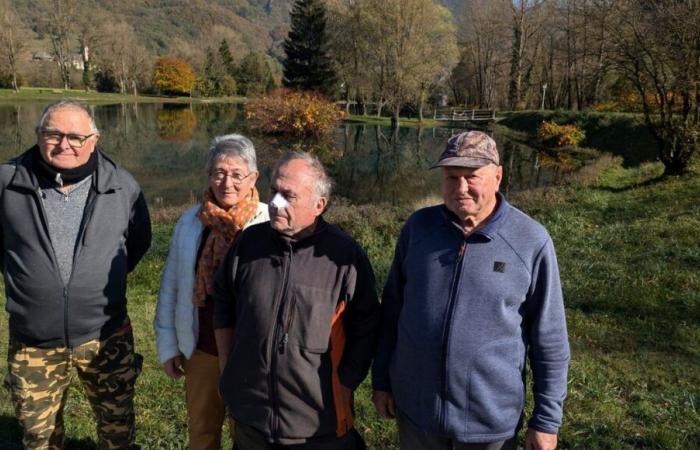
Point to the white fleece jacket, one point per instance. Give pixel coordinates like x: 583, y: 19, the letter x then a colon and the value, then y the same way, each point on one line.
x: 177, y: 322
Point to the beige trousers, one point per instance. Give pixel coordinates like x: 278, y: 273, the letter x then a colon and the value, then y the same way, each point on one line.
x: 205, y: 408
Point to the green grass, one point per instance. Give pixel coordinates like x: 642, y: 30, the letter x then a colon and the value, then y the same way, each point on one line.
x: 622, y: 134
x: 52, y: 94
x: 386, y: 121
x: 627, y: 244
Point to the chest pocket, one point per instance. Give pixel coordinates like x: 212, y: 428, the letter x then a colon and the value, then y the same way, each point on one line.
x: 310, y: 317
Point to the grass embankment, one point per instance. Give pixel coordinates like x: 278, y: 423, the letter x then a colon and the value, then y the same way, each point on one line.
x: 30, y: 94
x: 622, y: 134
x: 628, y: 249
x: 386, y: 121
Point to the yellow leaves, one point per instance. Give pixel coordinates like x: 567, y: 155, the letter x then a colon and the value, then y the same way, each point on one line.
x: 554, y: 135
x: 173, y: 76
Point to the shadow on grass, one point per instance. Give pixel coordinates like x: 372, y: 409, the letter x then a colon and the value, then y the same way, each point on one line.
x: 632, y: 186
x: 11, y: 437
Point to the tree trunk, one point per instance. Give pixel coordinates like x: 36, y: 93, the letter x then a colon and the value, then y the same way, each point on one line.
x: 380, y: 106
x: 395, y: 116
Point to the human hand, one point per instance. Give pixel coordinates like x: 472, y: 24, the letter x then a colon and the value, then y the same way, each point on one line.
x: 384, y: 404
x: 538, y: 440
x: 173, y: 367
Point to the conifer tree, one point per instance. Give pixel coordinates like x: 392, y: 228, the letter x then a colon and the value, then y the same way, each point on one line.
x: 226, y: 58
x: 307, y: 65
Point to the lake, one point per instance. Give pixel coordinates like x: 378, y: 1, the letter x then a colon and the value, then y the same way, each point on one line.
x: 164, y: 146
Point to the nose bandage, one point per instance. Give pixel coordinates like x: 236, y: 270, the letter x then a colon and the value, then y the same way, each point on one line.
x: 279, y: 202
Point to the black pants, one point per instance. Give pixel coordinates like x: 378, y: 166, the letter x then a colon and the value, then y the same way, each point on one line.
x: 411, y: 438
x: 248, y: 438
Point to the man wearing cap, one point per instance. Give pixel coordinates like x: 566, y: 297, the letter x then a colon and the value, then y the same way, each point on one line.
x: 473, y: 289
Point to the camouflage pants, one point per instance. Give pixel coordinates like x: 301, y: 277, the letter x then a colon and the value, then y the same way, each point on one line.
x: 38, y: 379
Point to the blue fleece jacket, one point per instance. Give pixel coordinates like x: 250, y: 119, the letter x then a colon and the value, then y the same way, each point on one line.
x: 459, y: 316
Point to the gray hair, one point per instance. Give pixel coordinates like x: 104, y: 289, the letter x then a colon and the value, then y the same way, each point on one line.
x: 65, y: 104
x: 323, y: 184
x: 232, y: 145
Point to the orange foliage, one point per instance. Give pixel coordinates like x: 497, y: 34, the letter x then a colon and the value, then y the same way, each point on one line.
x: 294, y: 113
x: 176, y: 125
x: 173, y: 76
x: 554, y: 135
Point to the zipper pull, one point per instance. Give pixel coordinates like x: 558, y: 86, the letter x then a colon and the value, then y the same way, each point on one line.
x: 462, y: 248
x: 283, y: 342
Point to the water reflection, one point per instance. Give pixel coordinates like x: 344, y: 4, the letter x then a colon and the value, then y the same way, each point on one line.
x: 164, y: 147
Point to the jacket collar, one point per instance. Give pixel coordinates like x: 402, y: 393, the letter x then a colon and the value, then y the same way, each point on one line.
x: 321, y: 227
x: 490, y: 228
x: 105, y: 178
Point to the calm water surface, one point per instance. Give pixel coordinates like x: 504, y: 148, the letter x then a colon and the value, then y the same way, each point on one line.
x: 164, y: 147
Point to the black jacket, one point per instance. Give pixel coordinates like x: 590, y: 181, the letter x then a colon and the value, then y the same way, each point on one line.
x: 305, y: 315
x: 115, y: 233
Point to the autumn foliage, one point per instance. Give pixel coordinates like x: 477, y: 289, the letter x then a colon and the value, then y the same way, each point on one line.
x: 176, y: 125
x: 294, y: 113
x: 173, y: 76
x: 553, y: 135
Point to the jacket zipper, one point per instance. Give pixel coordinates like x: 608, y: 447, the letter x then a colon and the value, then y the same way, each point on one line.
x: 272, y: 381
x: 57, y: 272
x: 448, y: 328
x: 92, y: 197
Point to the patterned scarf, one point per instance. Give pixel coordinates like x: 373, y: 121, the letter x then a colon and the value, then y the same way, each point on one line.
x: 224, y: 226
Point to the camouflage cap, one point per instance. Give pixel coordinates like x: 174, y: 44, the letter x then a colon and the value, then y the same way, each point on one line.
x: 469, y: 149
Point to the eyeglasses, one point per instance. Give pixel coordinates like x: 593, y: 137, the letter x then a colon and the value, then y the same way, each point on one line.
x: 219, y: 176
x: 56, y: 137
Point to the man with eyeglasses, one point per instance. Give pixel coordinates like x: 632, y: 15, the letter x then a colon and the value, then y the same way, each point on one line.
x: 72, y: 225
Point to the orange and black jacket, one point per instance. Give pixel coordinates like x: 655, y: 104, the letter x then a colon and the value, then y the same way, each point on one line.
x: 306, y: 317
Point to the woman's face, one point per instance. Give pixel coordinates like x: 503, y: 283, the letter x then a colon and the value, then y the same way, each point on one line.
x: 231, y: 181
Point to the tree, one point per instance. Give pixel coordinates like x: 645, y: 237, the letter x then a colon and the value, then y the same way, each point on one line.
x: 10, y: 42
x: 226, y: 58
x: 58, y: 22
x: 525, y: 26
x: 215, y: 80
x: 410, y: 44
x: 307, y: 65
x: 348, y: 48
x: 121, y: 57
x: 658, y: 50
x: 89, y: 31
x: 478, y: 77
x: 173, y: 76
x: 253, y: 75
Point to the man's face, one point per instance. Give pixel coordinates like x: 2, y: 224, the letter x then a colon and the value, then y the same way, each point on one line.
x: 60, y: 138
x: 294, y: 181
x: 471, y: 193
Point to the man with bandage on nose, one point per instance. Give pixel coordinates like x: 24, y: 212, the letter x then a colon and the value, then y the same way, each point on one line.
x: 296, y: 317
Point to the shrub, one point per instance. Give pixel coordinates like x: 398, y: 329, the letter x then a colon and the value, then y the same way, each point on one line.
x: 294, y: 113
x: 553, y: 135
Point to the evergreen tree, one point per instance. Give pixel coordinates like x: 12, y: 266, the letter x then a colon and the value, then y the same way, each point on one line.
x: 214, y: 80
x: 226, y: 58
x: 307, y: 65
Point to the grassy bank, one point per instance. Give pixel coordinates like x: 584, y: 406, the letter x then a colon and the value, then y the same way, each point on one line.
x: 628, y: 251
x: 31, y: 94
x: 386, y: 121
x: 622, y: 134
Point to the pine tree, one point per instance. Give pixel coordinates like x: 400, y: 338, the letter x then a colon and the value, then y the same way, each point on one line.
x: 307, y: 65
x: 226, y: 58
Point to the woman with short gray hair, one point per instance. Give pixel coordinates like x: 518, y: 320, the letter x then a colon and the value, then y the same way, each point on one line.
x: 202, y: 237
